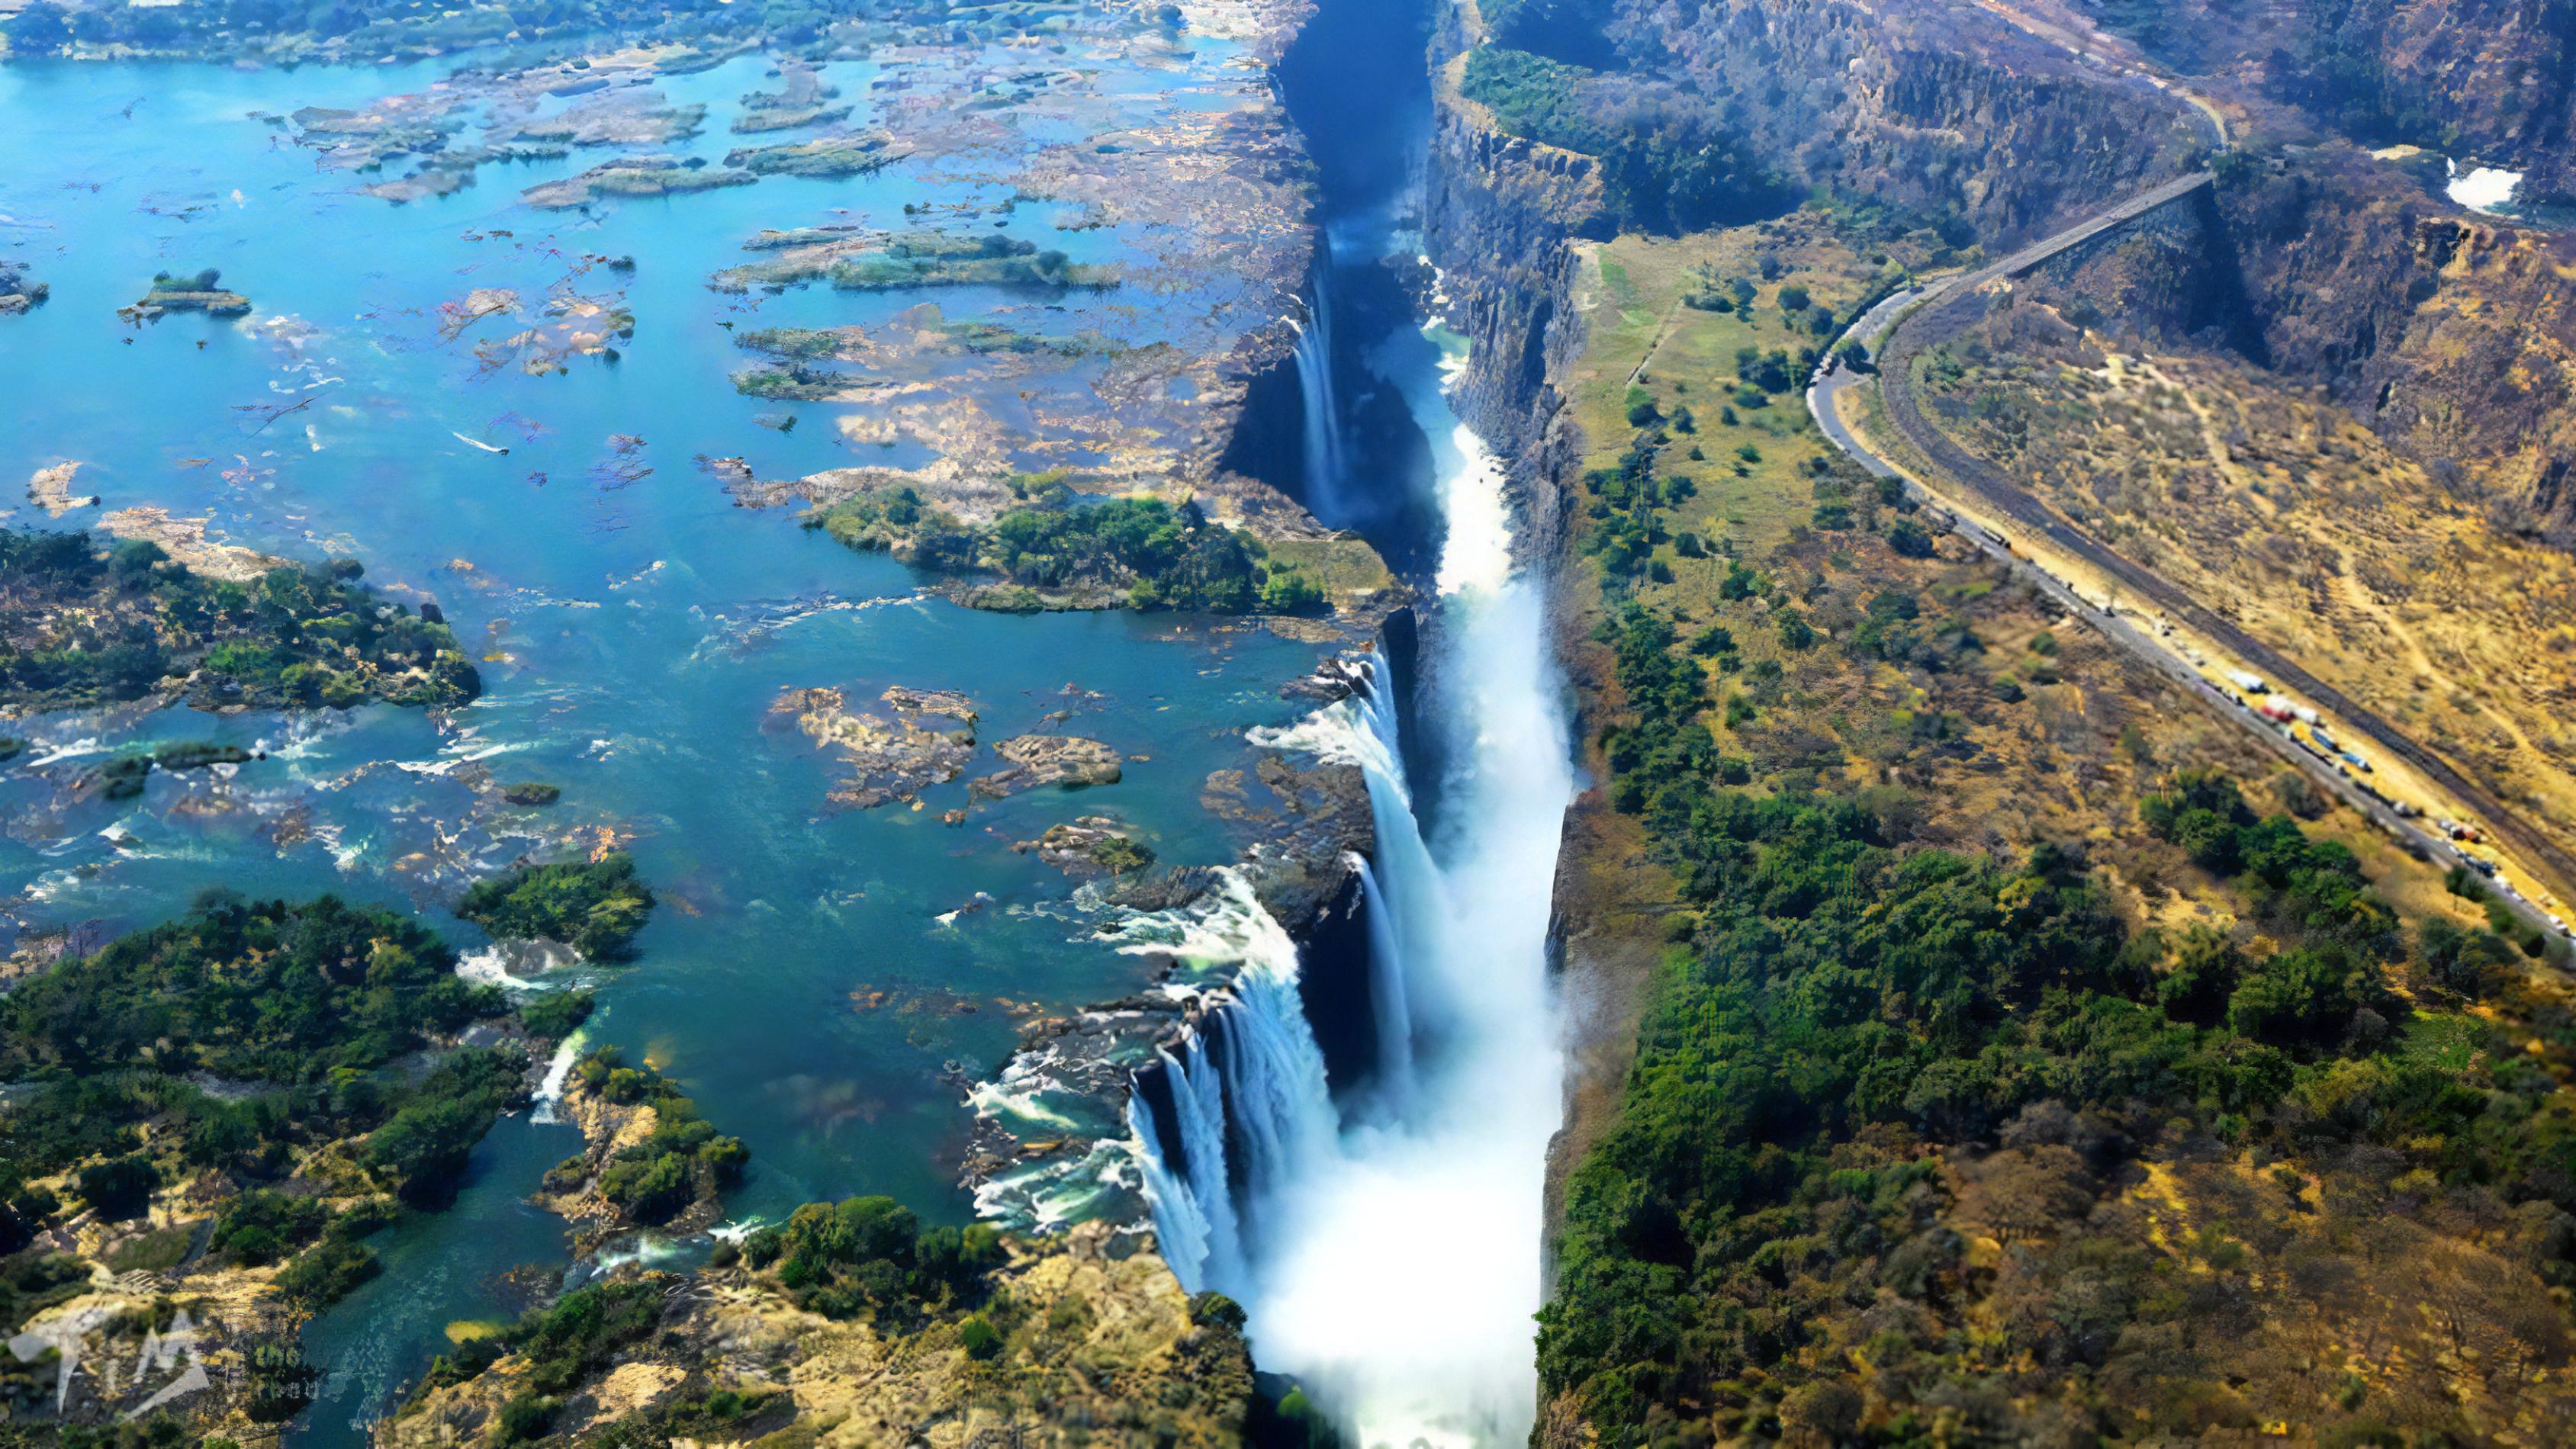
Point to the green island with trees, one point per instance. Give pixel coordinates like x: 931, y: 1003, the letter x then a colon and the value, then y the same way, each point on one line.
x: 82, y: 625
x: 201, y: 291
x: 922, y: 1324
x: 593, y: 906
x: 1138, y: 552
x: 683, y: 1165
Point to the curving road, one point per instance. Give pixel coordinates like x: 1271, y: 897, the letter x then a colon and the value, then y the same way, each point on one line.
x: 1940, y: 311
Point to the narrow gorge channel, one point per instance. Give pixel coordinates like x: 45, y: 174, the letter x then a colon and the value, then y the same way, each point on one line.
x: 1382, y: 1224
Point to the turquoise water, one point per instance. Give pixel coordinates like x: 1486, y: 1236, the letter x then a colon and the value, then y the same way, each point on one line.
x: 634, y: 628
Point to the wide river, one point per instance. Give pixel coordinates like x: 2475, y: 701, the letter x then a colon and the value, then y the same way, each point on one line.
x: 810, y: 977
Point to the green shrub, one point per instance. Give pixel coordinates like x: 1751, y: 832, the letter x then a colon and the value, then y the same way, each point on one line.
x: 594, y: 906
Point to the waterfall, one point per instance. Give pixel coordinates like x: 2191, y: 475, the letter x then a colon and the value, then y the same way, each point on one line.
x: 1194, y: 1212
x: 1323, y: 409
x: 1403, y: 1292
x: 1389, y: 999
x: 1402, y: 887
x: 1282, y: 1113
x: 550, y: 1090
x: 1253, y: 1112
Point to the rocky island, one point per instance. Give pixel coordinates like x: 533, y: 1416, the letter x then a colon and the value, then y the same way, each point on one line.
x: 84, y: 624
x: 19, y: 291
x: 196, y: 292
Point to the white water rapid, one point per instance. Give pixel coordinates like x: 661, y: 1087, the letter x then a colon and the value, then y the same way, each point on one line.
x: 1389, y: 1256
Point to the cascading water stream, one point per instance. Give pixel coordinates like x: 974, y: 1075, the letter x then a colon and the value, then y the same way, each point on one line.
x: 1214, y: 1251
x: 1390, y: 1002
x: 1322, y: 421
x: 1250, y: 1106
x: 1390, y: 1260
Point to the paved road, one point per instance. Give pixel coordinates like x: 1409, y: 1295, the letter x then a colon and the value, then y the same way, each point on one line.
x: 1939, y: 311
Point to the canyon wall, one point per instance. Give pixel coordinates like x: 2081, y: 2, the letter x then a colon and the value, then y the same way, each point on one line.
x: 1935, y: 107
x: 2448, y: 334
x: 2488, y: 80
x: 1941, y: 111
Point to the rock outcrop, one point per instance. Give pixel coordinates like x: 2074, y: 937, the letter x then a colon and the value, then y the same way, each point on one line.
x: 1035, y: 761
x: 1083, y: 1341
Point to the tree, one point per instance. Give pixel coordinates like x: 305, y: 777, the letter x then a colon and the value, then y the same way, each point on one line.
x: 120, y: 1187
x: 1909, y: 538
x: 424, y: 1147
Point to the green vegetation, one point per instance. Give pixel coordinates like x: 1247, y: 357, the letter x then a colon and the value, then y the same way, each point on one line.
x: 796, y: 381
x: 209, y: 280
x: 1847, y: 1001
x: 87, y: 627
x: 562, y: 1345
x: 682, y: 1162
x: 807, y: 342
x: 795, y: 352
x: 1575, y: 31
x: 1143, y: 550
x: 829, y: 157
x: 937, y: 259
x: 1165, y: 557
x: 423, y: 1147
x: 593, y: 906
x: 252, y: 992
x: 532, y: 792
x: 1665, y: 167
x: 1938, y: 1131
x: 869, y: 1256
x: 192, y: 292
x: 248, y: 1040
x: 121, y: 776
x: 1122, y: 856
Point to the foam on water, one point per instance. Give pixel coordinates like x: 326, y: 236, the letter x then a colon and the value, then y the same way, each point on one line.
x: 550, y: 1089
x: 2486, y: 189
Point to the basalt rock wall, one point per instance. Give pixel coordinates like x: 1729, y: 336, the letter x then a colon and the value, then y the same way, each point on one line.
x: 2449, y: 335
x: 1934, y: 106
x: 2490, y: 81
x: 1504, y: 214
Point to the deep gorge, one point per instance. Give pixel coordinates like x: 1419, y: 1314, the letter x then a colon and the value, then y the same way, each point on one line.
x: 1381, y: 1221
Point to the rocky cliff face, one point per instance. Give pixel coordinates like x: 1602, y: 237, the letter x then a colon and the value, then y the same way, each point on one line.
x: 1938, y: 107
x: 2487, y: 79
x: 2450, y: 336
x: 1941, y: 110
x: 2447, y: 334
x: 1503, y: 214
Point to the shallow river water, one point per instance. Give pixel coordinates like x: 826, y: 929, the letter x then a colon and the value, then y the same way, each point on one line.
x: 632, y: 625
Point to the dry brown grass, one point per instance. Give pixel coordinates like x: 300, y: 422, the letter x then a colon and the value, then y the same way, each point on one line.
x: 2282, y: 512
